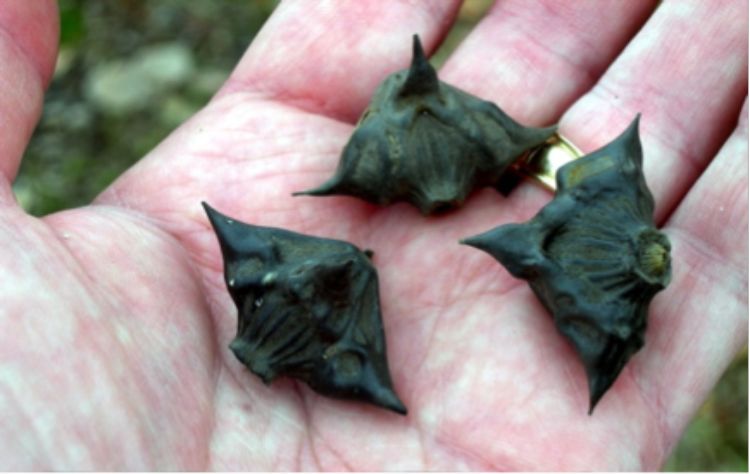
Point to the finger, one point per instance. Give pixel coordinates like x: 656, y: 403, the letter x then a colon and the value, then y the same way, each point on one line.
x: 328, y: 57
x: 535, y: 58
x: 686, y: 72
x: 700, y: 321
x: 28, y: 43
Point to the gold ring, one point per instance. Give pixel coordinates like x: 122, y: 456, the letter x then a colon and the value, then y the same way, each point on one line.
x: 542, y: 164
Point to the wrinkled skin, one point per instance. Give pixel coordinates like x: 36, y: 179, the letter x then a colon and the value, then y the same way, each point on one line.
x: 115, y: 322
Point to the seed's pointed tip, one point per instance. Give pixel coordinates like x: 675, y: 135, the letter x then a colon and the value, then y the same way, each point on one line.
x: 471, y: 242
x: 399, y: 408
x: 593, y: 400
x: 598, y: 386
x: 216, y: 218
x: 210, y: 211
x: 388, y: 399
x: 491, y: 242
x: 634, y: 125
x: 235, y: 237
x: 320, y: 191
x: 417, y: 51
x: 481, y: 241
x: 422, y: 78
x: 630, y: 133
x: 629, y: 142
x: 326, y: 189
x: 312, y: 192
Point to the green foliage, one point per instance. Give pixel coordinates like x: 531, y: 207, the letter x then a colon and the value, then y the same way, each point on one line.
x: 105, y: 108
x: 716, y: 440
x: 71, y: 22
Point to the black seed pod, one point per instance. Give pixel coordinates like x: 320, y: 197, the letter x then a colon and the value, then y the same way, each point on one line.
x: 308, y: 308
x: 593, y: 256
x: 427, y: 143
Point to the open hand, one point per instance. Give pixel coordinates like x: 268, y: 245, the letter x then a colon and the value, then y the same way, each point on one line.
x: 115, y: 321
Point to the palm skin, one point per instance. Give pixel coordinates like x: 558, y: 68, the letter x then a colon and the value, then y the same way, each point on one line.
x: 115, y: 319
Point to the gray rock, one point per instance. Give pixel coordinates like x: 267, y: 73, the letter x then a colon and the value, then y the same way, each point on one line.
x: 123, y: 86
x: 167, y: 64
x: 117, y: 87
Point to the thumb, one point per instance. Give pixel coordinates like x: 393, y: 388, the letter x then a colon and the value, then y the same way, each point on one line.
x: 28, y: 47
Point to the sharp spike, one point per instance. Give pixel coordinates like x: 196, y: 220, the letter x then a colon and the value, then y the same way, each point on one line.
x: 326, y: 189
x: 631, y: 132
x: 485, y: 241
x: 226, y: 229
x: 213, y: 214
x: 387, y: 398
x: 422, y: 78
x: 509, y: 245
x: 598, y: 386
x: 378, y: 387
x: 238, y: 238
x: 636, y: 121
x: 471, y: 241
x: 626, y: 147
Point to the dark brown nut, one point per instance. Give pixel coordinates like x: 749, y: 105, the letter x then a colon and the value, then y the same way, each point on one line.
x: 308, y: 308
x: 427, y: 143
x: 593, y: 256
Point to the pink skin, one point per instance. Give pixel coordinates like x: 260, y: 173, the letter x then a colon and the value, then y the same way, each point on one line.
x: 115, y: 320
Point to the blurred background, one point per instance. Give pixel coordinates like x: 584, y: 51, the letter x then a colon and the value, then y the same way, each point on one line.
x: 130, y: 71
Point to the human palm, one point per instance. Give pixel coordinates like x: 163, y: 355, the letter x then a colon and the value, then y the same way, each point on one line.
x: 115, y: 320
